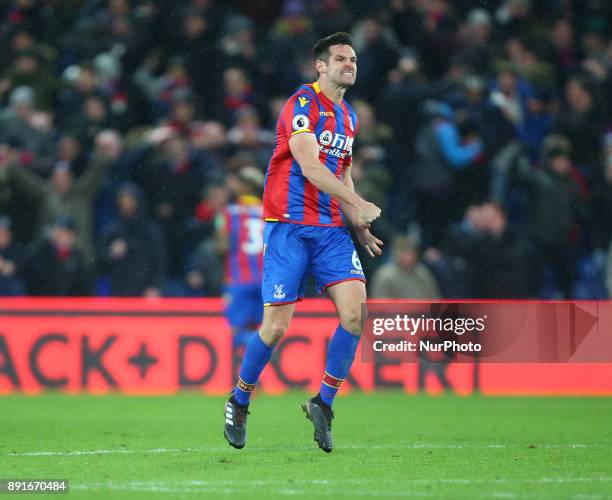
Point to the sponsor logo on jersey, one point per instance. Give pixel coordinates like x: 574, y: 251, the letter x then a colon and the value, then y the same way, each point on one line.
x: 326, y: 113
x: 333, y: 144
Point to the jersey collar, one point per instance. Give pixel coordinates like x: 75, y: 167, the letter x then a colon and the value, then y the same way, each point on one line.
x: 317, y: 88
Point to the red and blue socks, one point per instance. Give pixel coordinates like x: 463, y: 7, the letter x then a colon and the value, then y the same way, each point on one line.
x: 340, y: 356
x: 256, y: 357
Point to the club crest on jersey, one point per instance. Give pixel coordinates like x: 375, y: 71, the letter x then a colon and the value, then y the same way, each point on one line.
x: 279, y: 293
x: 303, y: 101
x: 300, y: 122
x: 326, y: 138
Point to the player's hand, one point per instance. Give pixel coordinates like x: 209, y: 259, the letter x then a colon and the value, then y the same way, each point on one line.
x: 370, y: 242
x: 366, y: 214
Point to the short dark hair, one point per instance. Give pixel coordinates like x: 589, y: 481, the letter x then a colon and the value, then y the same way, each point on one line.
x: 320, y: 51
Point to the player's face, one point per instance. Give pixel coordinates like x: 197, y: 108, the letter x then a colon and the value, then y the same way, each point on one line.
x: 341, y: 69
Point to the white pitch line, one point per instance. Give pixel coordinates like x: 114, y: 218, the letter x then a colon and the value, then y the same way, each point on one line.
x: 409, y: 446
x: 287, y: 491
x: 334, y: 487
x: 117, y: 451
x: 248, y: 483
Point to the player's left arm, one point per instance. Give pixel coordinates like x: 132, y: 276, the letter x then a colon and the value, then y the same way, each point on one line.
x: 222, y: 242
x: 366, y: 239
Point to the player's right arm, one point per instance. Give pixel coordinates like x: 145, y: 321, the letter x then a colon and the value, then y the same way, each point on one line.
x: 305, y: 150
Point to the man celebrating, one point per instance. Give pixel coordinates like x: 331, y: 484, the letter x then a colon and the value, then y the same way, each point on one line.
x: 308, y: 189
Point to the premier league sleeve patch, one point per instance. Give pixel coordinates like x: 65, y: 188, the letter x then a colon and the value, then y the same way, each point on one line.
x: 300, y: 124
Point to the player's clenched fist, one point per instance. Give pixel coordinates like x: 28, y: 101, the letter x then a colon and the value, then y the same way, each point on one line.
x: 367, y: 213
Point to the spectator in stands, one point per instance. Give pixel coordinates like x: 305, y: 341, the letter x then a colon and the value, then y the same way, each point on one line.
x: 203, y: 271
x: 566, y: 53
x: 182, y: 112
x: 601, y: 201
x: 28, y: 70
x: 515, y: 18
x: 442, y: 152
x: 520, y: 105
x: 10, y: 261
x: 131, y: 250
x: 495, y: 258
x: 405, y: 277
x: 581, y: 121
x: 377, y: 56
x: 238, y: 94
x: 477, y: 51
x: 172, y: 182
x: 55, y: 265
x: 193, y: 37
x: 402, y: 98
x: 239, y: 47
x: 63, y: 195
x: 161, y: 89
x: 248, y: 136
x: 23, y: 124
x: 93, y: 118
x: 80, y: 82
x: 68, y: 152
x: 210, y: 148
x: 558, y: 210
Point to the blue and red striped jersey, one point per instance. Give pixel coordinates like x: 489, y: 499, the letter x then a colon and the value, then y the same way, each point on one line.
x: 243, y: 225
x: 288, y: 195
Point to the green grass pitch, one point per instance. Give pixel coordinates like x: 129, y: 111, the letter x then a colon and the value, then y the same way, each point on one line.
x: 388, y: 445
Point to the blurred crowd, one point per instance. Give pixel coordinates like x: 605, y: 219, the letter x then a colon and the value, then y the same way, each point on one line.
x: 485, y: 136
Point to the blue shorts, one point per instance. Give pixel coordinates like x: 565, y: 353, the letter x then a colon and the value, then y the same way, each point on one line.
x: 243, y: 305
x: 292, y: 251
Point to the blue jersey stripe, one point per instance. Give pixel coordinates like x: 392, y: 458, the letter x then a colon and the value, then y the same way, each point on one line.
x: 332, y: 163
x: 324, y: 218
x: 234, y: 242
